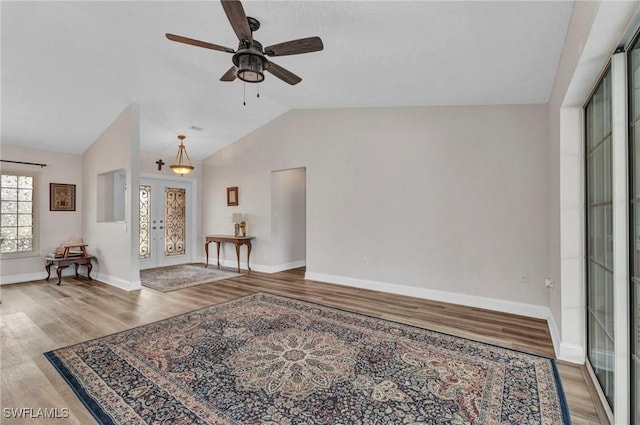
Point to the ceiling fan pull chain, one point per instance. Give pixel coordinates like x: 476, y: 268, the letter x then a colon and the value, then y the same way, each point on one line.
x: 244, y: 93
x: 258, y: 95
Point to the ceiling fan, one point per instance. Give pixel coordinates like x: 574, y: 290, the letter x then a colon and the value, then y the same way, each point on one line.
x: 250, y: 60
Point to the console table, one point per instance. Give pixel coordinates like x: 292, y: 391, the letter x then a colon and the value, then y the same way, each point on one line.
x: 238, y: 241
x: 62, y: 263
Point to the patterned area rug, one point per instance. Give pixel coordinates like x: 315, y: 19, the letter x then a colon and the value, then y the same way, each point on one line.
x: 166, y: 279
x: 271, y: 360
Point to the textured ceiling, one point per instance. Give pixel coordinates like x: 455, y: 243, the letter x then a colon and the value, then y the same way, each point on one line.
x: 69, y: 68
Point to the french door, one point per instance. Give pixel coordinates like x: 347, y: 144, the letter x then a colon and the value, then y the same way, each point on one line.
x: 164, y: 223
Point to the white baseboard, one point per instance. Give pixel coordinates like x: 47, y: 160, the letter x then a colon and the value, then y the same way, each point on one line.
x: 233, y: 264
x: 28, y: 277
x: 25, y: 277
x: 118, y: 283
x: 555, y: 334
x: 530, y: 310
x: 110, y: 280
x: 566, y: 352
x: 287, y: 266
x: 571, y: 353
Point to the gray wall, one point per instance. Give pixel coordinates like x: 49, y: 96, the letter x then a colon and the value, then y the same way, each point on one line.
x: 450, y: 199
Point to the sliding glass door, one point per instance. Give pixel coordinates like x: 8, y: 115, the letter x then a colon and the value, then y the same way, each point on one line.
x: 600, y: 327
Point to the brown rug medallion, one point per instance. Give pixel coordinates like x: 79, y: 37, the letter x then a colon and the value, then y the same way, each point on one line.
x: 171, y: 278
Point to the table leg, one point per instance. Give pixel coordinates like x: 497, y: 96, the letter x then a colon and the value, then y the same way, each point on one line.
x: 48, y: 267
x: 218, y: 252
x: 206, y: 252
x: 248, y: 254
x: 77, y: 265
x: 89, y: 268
x: 59, y: 273
x: 238, y: 255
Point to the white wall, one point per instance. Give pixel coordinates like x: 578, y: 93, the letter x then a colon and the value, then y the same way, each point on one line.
x: 114, y: 244
x: 55, y: 226
x: 449, y: 199
x: 288, y: 218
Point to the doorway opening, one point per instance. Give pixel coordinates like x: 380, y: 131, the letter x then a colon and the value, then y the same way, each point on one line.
x: 288, y: 218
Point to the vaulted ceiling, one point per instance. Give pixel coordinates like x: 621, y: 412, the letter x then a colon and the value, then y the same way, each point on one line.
x: 69, y: 68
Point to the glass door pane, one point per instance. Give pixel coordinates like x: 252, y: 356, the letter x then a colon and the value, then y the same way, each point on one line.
x: 175, y: 221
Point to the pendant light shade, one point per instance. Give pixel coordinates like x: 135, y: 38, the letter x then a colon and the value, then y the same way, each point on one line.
x: 182, y: 164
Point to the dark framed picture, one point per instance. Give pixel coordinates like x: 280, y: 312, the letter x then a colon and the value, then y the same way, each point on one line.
x: 62, y: 197
x: 232, y: 196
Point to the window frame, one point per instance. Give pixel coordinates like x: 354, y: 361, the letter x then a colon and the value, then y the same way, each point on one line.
x: 35, y: 215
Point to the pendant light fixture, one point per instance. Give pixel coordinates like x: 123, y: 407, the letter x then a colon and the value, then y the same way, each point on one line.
x: 180, y: 166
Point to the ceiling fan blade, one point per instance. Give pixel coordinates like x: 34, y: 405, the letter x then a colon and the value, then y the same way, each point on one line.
x: 238, y: 19
x: 294, y: 47
x: 198, y: 43
x: 285, y: 75
x: 230, y: 75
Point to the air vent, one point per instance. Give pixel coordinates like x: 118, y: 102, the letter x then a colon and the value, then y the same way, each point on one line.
x: 196, y: 128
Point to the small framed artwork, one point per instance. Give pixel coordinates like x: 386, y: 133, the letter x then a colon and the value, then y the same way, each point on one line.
x: 232, y: 196
x: 62, y: 197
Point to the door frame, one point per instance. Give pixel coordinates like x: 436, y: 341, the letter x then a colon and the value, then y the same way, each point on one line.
x: 191, y: 213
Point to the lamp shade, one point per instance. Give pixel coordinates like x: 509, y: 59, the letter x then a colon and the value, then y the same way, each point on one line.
x: 236, y: 217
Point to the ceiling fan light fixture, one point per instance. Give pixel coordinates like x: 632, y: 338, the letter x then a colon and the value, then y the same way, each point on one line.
x: 250, y: 68
x: 182, y: 165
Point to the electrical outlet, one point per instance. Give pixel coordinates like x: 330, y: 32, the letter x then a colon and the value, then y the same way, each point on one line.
x: 365, y: 260
x: 524, y: 277
x: 549, y: 283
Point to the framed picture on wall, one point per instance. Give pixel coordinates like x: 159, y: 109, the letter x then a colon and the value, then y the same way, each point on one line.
x: 62, y: 197
x: 232, y: 196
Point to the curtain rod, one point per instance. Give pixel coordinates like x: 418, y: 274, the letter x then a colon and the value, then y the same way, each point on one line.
x: 25, y: 163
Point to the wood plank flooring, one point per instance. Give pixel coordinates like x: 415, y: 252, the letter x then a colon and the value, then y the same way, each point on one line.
x: 39, y: 316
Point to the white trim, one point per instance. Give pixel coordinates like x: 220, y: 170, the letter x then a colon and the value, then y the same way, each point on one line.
x: 601, y: 395
x: 564, y: 351
x: 555, y: 334
x: 571, y: 353
x: 28, y: 277
x: 522, y: 309
x: 571, y: 285
x: 119, y: 283
x: 620, y: 201
x: 25, y: 277
x: 287, y: 266
x: 233, y: 264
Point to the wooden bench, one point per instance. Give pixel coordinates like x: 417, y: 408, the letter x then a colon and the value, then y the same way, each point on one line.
x: 62, y: 263
x: 65, y: 261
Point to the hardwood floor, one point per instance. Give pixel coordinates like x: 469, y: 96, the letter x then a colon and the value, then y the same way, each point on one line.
x: 39, y: 316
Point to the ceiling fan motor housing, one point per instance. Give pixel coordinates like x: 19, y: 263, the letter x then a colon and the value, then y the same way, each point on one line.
x: 250, y: 62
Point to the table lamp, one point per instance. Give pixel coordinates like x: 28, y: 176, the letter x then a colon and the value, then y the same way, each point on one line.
x: 236, y: 218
